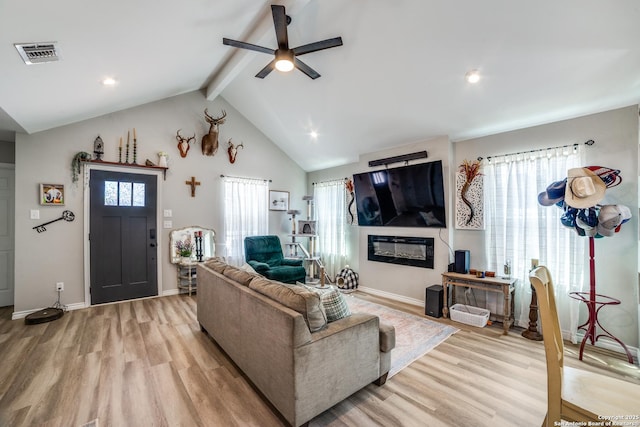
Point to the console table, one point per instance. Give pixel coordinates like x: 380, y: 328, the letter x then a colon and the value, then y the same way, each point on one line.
x: 187, y: 278
x: 491, y: 284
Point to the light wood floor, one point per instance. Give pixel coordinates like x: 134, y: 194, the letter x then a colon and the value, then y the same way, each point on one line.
x: 146, y: 363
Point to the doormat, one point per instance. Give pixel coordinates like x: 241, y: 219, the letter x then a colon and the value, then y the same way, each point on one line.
x: 415, y: 336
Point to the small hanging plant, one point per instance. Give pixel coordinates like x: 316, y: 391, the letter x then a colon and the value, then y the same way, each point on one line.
x: 76, y: 164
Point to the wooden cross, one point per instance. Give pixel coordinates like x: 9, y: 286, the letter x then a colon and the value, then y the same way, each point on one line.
x: 193, y: 184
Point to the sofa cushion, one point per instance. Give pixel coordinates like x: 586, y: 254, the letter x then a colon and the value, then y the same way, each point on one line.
x: 241, y: 276
x: 217, y: 265
x: 335, y: 306
x: 297, y: 298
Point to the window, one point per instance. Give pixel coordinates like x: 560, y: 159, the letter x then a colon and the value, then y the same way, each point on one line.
x: 123, y: 193
x: 331, y: 214
x: 246, y: 209
x: 519, y: 229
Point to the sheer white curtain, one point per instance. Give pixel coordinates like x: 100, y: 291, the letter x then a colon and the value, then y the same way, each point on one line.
x: 246, y: 210
x: 331, y: 211
x: 519, y: 229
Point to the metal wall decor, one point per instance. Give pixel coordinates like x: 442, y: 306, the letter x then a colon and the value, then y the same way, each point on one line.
x: 66, y: 215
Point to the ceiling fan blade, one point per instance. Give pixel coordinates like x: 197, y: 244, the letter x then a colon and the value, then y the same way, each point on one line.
x: 305, y: 69
x: 280, y: 23
x: 313, y: 47
x: 245, y: 45
x: 266, y: 70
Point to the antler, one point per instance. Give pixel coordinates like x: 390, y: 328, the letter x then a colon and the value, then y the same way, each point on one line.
x: 180, y: 138
x: 215, y: 120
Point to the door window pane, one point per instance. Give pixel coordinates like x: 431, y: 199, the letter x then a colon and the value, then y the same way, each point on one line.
x: 138, y: 194
x: 110, y: 193
x: 125, y: 194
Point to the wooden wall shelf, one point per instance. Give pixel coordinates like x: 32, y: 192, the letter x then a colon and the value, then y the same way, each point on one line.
x: 131, y: 165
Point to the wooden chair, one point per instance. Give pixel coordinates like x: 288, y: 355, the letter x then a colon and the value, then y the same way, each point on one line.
x: 576, y: 394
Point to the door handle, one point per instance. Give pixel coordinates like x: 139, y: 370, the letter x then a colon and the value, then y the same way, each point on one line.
x: 153, y: 245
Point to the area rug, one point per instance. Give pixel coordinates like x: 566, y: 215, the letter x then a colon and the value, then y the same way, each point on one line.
x: 415, y: 336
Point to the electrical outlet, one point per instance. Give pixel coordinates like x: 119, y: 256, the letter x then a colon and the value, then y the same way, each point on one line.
x: 168, y: 213
x: 168, y: 224
x: 34, y: 214
x: 59, y: 286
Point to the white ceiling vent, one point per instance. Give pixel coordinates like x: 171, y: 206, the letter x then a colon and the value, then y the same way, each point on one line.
x: 38, y: 53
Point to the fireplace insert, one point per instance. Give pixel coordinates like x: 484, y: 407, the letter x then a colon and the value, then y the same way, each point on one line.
x: 414, y: 251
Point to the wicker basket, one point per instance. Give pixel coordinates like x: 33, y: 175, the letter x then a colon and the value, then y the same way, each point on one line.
x: 469, y: 315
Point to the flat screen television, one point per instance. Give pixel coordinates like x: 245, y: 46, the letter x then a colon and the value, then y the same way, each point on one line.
x: 408, y: 196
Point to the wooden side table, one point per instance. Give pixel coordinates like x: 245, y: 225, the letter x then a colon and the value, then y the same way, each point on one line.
x: 491, y: 284
x: 187, y: 275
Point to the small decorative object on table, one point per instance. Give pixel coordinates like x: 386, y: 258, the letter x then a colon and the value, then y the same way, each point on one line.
x: 185, y: 249
x: 162, y: 159
x: 135, y: 147
x: 127, y: 154
x: 120, y: 151
x: 198, y: 237
x: 98, y: 148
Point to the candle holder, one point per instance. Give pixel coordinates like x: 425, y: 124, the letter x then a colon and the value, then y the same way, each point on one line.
x: 120, y: 154
x: 135, y: 151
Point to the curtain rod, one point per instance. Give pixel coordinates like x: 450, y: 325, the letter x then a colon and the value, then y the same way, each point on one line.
x: 589, y: 143
x: 242, y: 177
x: 331, y: 180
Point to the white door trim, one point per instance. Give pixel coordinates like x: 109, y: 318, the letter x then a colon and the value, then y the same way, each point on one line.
x: 88, y: 167
x: 11, y: 261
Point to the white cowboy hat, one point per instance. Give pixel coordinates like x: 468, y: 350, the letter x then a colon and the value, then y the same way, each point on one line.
x: 584, y: 188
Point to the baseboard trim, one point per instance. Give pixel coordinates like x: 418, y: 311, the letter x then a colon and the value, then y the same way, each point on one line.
x: 392, y: 296
x: 168, y: 292
x: 22, y: 314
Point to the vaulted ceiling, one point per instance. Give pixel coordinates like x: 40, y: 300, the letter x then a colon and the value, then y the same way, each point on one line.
x: 398, y: 78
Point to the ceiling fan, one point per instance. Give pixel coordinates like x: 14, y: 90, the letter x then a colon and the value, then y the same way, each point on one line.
x: 285, y: 58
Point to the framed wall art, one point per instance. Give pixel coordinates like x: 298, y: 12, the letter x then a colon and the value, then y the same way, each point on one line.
x: 278, y: 200
x: 52, y: 194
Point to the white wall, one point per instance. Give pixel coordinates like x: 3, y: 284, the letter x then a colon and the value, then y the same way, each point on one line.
x: 7, y: 152
x: 616, y: 145
x: 57, y: 254
x: 402, y: 282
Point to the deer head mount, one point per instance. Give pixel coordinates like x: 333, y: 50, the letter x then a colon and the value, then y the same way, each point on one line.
x: 210, y: 140
x: 233, y: 151
x: 184, y: 143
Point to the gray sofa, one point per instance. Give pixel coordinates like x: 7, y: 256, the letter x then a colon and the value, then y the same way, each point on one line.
x: 265, y: 328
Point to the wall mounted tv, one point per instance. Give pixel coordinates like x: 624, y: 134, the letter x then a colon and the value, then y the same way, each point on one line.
x: 408, y: 196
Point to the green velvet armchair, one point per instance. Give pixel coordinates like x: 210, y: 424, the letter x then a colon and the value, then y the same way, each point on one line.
x: 264, y: 255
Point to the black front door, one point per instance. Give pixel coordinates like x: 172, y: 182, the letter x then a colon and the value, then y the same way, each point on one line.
x: 122, y: 236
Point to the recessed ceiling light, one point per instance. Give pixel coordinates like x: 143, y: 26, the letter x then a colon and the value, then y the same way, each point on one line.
x: 472, y: 76
x: 313, y: 134
x: 109, y: 81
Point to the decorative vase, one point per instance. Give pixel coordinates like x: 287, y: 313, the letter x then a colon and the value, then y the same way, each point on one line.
x: 186, y: 259
x: 162, y: 160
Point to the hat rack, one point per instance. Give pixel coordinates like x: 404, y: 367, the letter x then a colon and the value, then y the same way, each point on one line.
x: 540, y: 150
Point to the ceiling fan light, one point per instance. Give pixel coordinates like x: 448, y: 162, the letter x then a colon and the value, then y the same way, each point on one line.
x: 284, y: 60
x: 284, y: 65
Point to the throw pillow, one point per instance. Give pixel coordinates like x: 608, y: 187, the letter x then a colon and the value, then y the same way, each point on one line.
x: 216, y: 265
x: 296, y: 298
x: 240, y: 276
x: 335, y: 306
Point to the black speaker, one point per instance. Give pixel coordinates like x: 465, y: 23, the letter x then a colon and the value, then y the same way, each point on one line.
x: 433, y: 301
x: 462, y: 261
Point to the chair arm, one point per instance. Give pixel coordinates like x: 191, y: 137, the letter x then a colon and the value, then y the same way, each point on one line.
x: 291, y: 262
x: 259, y: 266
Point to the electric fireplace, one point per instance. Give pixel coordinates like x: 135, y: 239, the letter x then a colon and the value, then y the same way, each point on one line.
x: 413, y: 251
